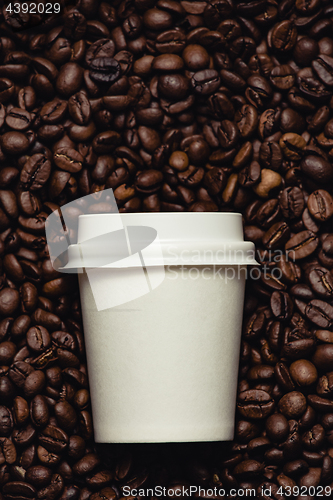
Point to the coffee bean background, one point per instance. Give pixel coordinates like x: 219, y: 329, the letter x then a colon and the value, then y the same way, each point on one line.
x: 177, y: 106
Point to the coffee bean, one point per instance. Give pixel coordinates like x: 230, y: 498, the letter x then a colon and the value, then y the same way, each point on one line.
x: 277, y: 427
x: 6, y: 421
x: 321, y: 281
x: 14, y: 143
x: 69, y: 79
x: 205, y: 82
x: 66, y: 415
x: 281, y: 305
x: 256, y: 404
x: 323, y: 66
x: 269, y: 181
x: 302, y: 245
x: 79, y: 108
x: 86, y: 464
x: 292, y: 146
x: 320, y: 313
x: 177, y: 107
x: 320, y: 205
x: 53, y: 439
x: 18, y: 119
x: 303, y: 372
x: 68, y: 160
x: 38, y: 475
x: 292, y: 404
x: 39, y: 411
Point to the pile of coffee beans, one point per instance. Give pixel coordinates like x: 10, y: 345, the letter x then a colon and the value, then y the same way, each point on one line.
x: 217, y: 105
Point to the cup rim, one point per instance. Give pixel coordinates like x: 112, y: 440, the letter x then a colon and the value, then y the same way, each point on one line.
x: 155, y: 214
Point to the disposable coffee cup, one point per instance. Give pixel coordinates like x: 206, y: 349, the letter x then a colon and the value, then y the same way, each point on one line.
x: 162, y: 300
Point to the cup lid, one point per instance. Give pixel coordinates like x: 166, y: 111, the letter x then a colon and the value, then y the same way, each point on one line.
x: 114, y: 240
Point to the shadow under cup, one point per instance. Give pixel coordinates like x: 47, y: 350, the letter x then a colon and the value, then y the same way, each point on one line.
x: 162, y: 326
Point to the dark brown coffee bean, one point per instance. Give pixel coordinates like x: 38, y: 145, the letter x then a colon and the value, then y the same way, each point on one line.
x: 320, y: 205
x: 320, y: 313
x: 86, y: 465
x: 317, y: 168
x: 301, y: 245
x: 79, y: 108
x: 284, y: 36
x: 53, y: 439
x: 6, y: 421
x: 105, y: 142
x: 249, y: 175
x: 256, y: 404
x: 38, y: 338
x: 14, y: 143
x: 66, y: 415
x: 68, y: 160
x: 173, y: 86
x: 34, y: 383
x: 20, y: 411
x: 323, y: 356
x: 246, y: 120
x: 276, y: 236
x: 281, y: 305
x: 205, y: 82
x: 38, y: 475
x: 69, y: 79
x: 24, y: 436
x: 292, y: 404
x: 323, y: 66
x: 303, y: 372
x: 292, y: 145
x: 18, y: 119
x: 157, y: 20
x: 39, y: 411
x: 277, y: 427
x: 227, y: 134
x: 9, y: 301
x: 19, y: 489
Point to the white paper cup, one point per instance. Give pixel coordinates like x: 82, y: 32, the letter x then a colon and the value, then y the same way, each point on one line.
x: 163, y: 365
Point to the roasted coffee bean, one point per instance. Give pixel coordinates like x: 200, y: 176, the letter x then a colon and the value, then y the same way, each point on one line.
x: 301, y: 245
x: 53, y: 439
x: 69, y: 79
x: 38, y: 475
x: 249, y: 175
x: 269, y: 181
x: 276, y: 236
x: 39, y: 411
x: 320, y: 205
x: 277, y: 428
x: 321, y: 281
x: 281, y: 305
x: 292, y: 404
x: 205, y: 82
x: 188, y: 106
x: 292, y: 202
x: 320, y: 313
x: 255, y: 404
x: 303, y: 372
x: 317, y: 168
x: 18, y: 119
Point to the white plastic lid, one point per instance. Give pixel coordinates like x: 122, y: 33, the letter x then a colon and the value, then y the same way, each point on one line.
x: 159, y: 238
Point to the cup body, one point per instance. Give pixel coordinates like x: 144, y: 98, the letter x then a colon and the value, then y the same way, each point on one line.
x: 163, y: 367
x: 162, y: 300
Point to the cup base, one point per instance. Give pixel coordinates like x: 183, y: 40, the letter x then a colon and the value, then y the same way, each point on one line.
x: 158, y: 435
